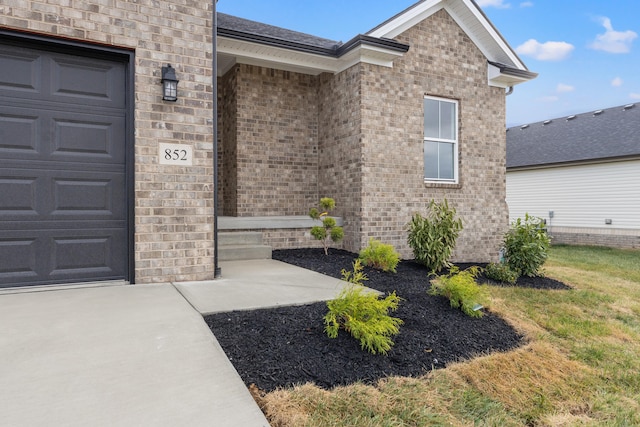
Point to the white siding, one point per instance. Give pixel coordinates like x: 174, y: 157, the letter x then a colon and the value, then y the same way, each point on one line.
x: 580, y: 196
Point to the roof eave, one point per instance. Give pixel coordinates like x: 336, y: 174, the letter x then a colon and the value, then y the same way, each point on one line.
x: 501, y: 75
x: 275, y: 53
x: 574, y: 163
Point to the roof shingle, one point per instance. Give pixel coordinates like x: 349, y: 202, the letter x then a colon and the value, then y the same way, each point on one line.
x: 605, y: 134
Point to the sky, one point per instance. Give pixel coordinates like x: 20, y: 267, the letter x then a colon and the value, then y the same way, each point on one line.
x: 587, y: 52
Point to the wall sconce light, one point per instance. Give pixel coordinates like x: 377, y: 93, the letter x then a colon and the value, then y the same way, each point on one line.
x: 169, y: 84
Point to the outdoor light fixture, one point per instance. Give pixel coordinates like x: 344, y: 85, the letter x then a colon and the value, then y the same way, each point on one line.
x: 169, y: 84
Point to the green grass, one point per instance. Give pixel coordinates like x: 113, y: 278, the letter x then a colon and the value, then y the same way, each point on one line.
x: 581, y: 366
x: 623, y: 264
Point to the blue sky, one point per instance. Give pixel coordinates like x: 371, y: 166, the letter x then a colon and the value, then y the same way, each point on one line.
x: 586, y: 51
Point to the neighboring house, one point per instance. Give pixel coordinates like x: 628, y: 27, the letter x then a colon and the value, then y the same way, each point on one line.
x: 103, y: 180
x: 581, y: 174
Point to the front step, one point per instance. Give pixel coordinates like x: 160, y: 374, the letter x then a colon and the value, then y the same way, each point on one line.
x: 242, y: 245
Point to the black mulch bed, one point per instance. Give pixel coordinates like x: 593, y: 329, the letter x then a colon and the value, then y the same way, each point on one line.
x: 284, y: 346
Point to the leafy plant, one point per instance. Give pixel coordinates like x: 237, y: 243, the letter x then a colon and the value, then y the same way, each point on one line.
x: 380, y: 256
x: 526, y: 245
x: 461, y: 289
x: 328, y: 231
x: 361, y: 313
x: 433, y: 237
x: 501, y: 273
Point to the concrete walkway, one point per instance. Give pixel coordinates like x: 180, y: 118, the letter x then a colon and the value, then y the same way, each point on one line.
x: 137, y: 355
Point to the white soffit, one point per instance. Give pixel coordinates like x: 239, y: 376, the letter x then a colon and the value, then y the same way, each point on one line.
x: 468, y: 17
x: 244, y: 52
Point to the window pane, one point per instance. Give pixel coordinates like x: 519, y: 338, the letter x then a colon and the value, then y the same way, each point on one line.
x: 446, y: 160
x: 447, y: 120
x: 431, y: 118
x: 431, y: 159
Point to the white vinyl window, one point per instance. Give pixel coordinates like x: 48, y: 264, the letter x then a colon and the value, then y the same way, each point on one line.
x: 440, y: 140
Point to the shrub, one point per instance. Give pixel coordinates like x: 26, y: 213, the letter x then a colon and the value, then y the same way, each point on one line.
x: 526, y: 246
x: 501, y: 273
x: 328, y: 231
x: 433, y: 237
x: 461, y: 289
x: 361, y: 313
x: 380, y: 256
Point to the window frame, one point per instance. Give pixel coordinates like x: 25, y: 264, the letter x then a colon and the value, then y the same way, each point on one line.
x: 454, y: 142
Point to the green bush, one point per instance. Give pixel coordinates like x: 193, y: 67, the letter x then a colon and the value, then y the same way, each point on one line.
x: 433, y: 237
x: 361, y: 313
x: 380, y: 256
x: 526, y: 246
x: 328, y: 231
x: 501, y: 273
x: 461, y: 289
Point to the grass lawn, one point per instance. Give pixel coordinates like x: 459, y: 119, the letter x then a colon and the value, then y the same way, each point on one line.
x: 581, y: 365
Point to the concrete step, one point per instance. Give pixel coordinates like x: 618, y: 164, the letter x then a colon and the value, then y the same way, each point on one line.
x: 239, y: 238
x: 244, y: 252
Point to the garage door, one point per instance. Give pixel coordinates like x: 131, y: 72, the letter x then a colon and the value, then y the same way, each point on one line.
x: 63, y: 198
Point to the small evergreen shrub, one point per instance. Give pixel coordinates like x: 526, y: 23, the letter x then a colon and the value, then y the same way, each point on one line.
x: 380, y: 256
x: 461, y: 289
x: 433, y: 238
x: 501, y: 273
x: 526, y: 246
x: 328, y: 231
x: 362, y: 314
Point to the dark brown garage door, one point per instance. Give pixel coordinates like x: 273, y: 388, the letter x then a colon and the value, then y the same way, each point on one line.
x: 63, y: 198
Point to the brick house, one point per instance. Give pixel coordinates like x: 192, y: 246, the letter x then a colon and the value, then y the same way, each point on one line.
x: 89, y: 187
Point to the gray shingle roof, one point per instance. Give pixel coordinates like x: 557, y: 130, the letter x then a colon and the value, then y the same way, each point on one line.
x: 233, y: 23
x: 269, y: 35
x: 603, y: 134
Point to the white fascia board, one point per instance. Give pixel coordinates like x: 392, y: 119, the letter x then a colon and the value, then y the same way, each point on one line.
x: 467, y: 16
x: 405, y: 21
x: 496, y: 38
x: 276, y: 57
x: 368, y: 55
x: 302, y: 62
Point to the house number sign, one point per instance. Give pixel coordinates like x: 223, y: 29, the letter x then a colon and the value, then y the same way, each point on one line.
x: 176, y: 154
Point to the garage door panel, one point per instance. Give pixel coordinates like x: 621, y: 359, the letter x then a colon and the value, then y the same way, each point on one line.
x: 88, y: 138
x: 21, y: 70
x: 18, y: 133
x: 94, y: 83
x: 18, y: 196
x: 71, y: 136
x: 88, y: 198
x: 61, y: 256
x: 18, y: 257
x: 58, y: 195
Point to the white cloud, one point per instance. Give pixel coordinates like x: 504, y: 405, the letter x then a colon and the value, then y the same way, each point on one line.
x: 549, y: 51
x: 613, y: 41
x: 634, y: 95
x: 617, y: 82
x: 562, y: 88
x: 500, y: 4
x: 526, y: 4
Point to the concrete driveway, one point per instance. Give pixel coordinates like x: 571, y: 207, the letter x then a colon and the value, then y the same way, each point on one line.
x: 115, y: 356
